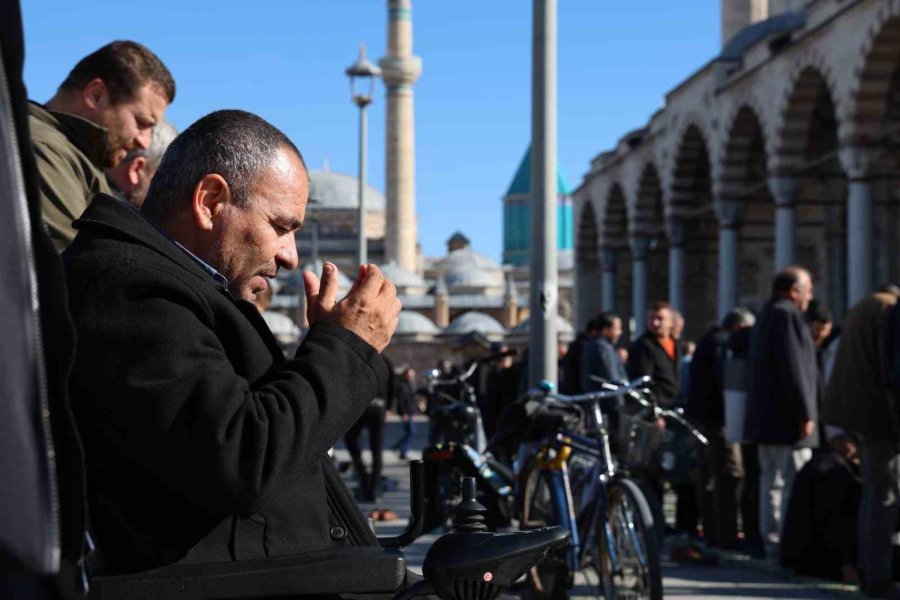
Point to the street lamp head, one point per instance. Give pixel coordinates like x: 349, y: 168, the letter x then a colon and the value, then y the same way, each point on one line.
x: 362, y: 70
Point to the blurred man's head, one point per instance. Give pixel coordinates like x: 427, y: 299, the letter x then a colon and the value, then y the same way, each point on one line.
x: 122, y: 87
x: 609, y: 327
x: 738, y: 318
x: 820, y: 322
x: 794, y: 284
x: 660, y: 319
x: 677, y: 325
x: 409, y: 374
x: 132, y: 176
x: 233, y: 190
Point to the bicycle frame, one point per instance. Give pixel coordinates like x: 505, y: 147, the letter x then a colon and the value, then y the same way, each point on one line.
x: 553, y: 458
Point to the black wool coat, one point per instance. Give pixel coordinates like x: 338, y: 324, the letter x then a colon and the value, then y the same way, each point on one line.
x: 203, y: 443
x: 647, y: 357
x: 783, y: 377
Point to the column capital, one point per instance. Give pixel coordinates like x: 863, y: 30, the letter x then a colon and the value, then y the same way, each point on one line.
x: 785, y: 189
x: 640, y: 246
x: 675, y: 232
x: 728, y: 211
x: 608, y: 259
x: 860, y: 162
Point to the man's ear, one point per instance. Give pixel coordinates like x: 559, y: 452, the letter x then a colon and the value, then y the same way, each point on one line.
x: 137, y: 170
x: 95, y: 95
x: 211, y: 196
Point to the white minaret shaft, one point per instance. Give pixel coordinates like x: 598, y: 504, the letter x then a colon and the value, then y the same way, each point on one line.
x: 400, y: 70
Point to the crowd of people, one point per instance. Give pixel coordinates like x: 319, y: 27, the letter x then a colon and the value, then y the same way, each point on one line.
x: 801, y: 416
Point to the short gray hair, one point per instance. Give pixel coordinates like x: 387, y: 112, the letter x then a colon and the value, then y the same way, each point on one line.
x: 738, y: 317
x: 235, y: 144
x: 164, y: 133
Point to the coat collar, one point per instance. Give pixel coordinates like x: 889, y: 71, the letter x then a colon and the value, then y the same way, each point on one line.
x: 85, y: 135
x: 106, y: 212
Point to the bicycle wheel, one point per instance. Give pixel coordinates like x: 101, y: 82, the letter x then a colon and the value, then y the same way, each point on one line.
x: 629, y: 561
x: 549, y: 579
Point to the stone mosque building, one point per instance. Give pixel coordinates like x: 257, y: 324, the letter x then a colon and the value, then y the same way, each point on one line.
x: 782, y: 149
x: 452, y: 303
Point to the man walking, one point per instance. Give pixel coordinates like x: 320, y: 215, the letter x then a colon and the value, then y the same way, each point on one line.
x: 721, y: 462
x: 781, y: 398
x: 106, y: 107
x: 858, y: 401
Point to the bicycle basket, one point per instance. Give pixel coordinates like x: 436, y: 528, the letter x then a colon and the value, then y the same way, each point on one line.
x: 639, y: 440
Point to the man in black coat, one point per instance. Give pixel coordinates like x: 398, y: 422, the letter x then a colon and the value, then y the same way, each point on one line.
x: 655, y: 354
x: 720, y: 462
x: 203, y: 444
x: 781, y: 399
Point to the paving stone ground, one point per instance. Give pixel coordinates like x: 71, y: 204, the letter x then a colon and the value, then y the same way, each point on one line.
x: 735, y: 578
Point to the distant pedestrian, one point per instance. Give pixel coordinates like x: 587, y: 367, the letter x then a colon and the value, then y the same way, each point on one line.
x: 407, y: 408
x: 655, y: 354
x: 721, y: 463
x: 598, y: 356
x: 858, y: 401
x: 781, y: 400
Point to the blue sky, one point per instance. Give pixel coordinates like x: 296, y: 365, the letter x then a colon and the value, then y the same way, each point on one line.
x: 285, y: 60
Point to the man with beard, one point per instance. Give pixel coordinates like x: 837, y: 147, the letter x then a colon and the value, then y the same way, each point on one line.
x: 106, y: 107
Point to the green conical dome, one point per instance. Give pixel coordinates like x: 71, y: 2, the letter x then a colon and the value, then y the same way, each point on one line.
x: 521, y: 183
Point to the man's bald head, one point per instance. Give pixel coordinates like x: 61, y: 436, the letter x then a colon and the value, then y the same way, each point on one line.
x: 795, y: 284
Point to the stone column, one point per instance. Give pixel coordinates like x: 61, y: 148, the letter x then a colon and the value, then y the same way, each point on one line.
x: 859, y: 165
x: 441, y: 303
x: 729, y: 214
x: 400, y: 70
x: 784, y: 192
x: 608, y: 264
x: 640, y: 245
x: 676, y: 264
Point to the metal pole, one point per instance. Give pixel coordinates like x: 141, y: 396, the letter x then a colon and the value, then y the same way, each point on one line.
x: 543, y: 339
x: 362, y: 255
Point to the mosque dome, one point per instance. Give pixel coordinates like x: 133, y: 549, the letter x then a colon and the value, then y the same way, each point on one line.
x: 338, y: 191
x: 476, y: 321
x: 413, y: 323
x: 466, y: 269
x: 563, y: 327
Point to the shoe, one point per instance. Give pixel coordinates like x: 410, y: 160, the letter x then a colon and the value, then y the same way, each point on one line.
x: 692, y: 553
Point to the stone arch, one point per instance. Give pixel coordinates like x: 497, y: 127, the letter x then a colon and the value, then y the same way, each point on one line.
x: 875, y: 121
x: 587, y: 266
x: 744, y: 179
x: 876, y: 73
x: 615, y: 249
x: 650, y: 222
x: 810, y: 99
x: 691, y: 208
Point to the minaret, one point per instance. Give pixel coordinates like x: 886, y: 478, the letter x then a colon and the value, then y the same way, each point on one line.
x: 400, y: 70
x: 510, y: 311
x: 441, y: 303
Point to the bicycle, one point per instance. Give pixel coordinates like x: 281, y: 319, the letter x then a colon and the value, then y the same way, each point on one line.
x: 571, y: 479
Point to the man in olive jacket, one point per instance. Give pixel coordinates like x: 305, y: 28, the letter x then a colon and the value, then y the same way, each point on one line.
x: 781, y: 399
x: 857, y: 400
x: 202, y: 443
x: 107, y: 106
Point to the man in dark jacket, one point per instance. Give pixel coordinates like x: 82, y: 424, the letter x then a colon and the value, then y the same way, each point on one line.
x: 599, y: 357
x: 858, y: 401
x: 721, y: 464
x: 781, y: 399
x: 106, y: 106
x: 655, y: 354
x: 203, y: 444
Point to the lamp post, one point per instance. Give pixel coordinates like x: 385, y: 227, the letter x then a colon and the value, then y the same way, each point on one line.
x: 544, y: 277
x: 362, y: 71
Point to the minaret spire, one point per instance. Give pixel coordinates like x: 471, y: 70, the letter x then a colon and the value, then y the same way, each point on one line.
x: 400, y: 70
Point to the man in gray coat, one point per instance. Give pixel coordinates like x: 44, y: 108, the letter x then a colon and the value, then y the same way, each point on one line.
x: 599, y: 357
x: 781, y: 399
